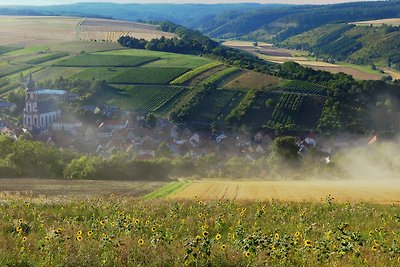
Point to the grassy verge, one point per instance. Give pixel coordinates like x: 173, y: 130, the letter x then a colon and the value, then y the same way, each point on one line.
x: 167, y: 190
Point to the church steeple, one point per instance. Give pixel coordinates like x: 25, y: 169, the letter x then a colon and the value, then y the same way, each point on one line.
x: 30, y: 85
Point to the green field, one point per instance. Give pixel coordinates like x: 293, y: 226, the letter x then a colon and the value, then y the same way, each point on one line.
x: 8, y: 68
x: 95, y: 60
x: 190, y: 74
x: 6, y: 49
x: 148, y: 98
x: 44, y: 58
x: 53, y: 73
x: 167, y: 59
x: 219, y: 76
x: 147, y: 75
x: 305, y: 88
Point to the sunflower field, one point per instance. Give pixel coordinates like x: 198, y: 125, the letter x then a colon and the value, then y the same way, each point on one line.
x: 123, y: 231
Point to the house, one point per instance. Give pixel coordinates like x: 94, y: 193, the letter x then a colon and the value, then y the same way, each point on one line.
x: 195, y: 140
x: 219, y: 138
x: 113, y: 124
x: 7, y: 107
x: 66, y: 124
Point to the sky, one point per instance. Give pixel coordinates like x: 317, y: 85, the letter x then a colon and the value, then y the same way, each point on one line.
x: 56, y: 2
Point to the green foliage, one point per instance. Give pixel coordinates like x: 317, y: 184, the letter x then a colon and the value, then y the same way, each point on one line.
x: 151, y: 120
x: 286, y: 111
x: 237, y: 114
x: 284, y: 159
x: 305, y: 88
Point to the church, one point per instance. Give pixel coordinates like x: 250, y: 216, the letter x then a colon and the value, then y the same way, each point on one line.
x: 41, y: 107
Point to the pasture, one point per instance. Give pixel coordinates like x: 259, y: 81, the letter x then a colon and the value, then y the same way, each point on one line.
x: 93, y: 60
x: 199, y: 225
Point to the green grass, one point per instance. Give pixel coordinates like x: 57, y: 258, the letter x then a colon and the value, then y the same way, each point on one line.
x: 219, y: 76
x: 98, y: 73
x: 44, y: 58
x: 166, y: 191
x: 53, y: 73
x: 7, y: 49
x: 167, y: 59
x: 93, y: 60
x: 27, y: 50
x: 9, y: 69
x: 147, y: 75
x: 77, y: 47
x: 363, y: 68
x: 190, y: 74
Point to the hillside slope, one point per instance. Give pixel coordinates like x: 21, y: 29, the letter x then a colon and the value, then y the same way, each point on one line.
x: 356, y: 44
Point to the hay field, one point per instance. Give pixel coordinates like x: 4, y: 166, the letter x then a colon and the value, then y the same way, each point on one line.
x: 375, y: 191
x: 378, y: 22
x: 112, y: 30
x: 25, y: 31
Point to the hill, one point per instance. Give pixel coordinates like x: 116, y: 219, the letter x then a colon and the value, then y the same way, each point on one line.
x: 364, y: 45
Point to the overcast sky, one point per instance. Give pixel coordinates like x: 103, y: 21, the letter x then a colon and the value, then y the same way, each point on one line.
x: 53, y: 2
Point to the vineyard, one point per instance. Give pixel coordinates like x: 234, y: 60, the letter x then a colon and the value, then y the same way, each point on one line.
x: 95, y: 60
x: 304, y: 88
x: 219, y: 76
x: 150, y: 98
x: 148, y: 75
x: 286, y: 110
x: 216, y: 106
x: 190, y: 74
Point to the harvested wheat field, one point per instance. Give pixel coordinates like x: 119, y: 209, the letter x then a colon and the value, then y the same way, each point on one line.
x: 375, y: 191
x: 379, y: 22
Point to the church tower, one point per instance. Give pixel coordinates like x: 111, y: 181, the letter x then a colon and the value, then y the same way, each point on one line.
x: 31, y: 114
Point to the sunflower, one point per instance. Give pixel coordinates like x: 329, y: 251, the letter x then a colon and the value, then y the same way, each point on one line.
x: 223, y: 247
x: 307, y: 243
x: 79, y: 238
x: 141, y: 242
x: 276, y: 236
x: 137, y: 221
x: 20, y: 220
x: 19, y: 229
x: 102, y: 222
x: 153, y: 228
x: 90, y: 233
x: 47, y: 238
x: 58, y: 231
x: 200, y: 214
x: 247, y: 254
x: 374, y: 248
x: 79, y: 232
x: 198, y: 238
x: 205, y: 233
x: 218, y: 237
x: 200, y: 202
x: 24, y: 239
x: 297, y: 234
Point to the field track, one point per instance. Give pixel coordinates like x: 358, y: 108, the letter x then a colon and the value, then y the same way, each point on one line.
x: 374, y: 191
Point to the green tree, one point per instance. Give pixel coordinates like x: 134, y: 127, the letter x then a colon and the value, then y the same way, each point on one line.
x: 151, y: 120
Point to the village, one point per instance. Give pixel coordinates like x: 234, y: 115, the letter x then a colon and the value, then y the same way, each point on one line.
x: 141, y: 134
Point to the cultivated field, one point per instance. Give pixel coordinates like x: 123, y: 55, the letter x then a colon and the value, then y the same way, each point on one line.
x: 24, y: 31
x: 102, y: 223
x: 376, y: 191
x: 76, y: 188
x: 279, y: 55
x: 379, y: 22
x: 252, y: 80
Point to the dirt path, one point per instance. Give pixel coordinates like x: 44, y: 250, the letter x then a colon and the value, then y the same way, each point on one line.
x: 375, y: 191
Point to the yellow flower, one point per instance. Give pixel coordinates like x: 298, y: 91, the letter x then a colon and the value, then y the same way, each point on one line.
x: 153, y: 228
x: 47, y: 238
x: 205, y: 233
x: 112, y: 224
x: 79, y: 238
x: 140, y: 242
x: 374, y: 248
x: 223, y: 247
x: 137, y: 221
x: 198, y: 238
x: 195, y: 196
x: 79, y: 232
x: 19, y: 229
x: 59, y: 230
x: 276, y: 236
x: 20, y: 220
x: 200, y: 214
x: 24, y: 239
x: 247, y: 254
x: 90, y: 233
x: 297, y: 234
x: 307, y: 243
x: 218, y: 237
x: 102, y: 222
